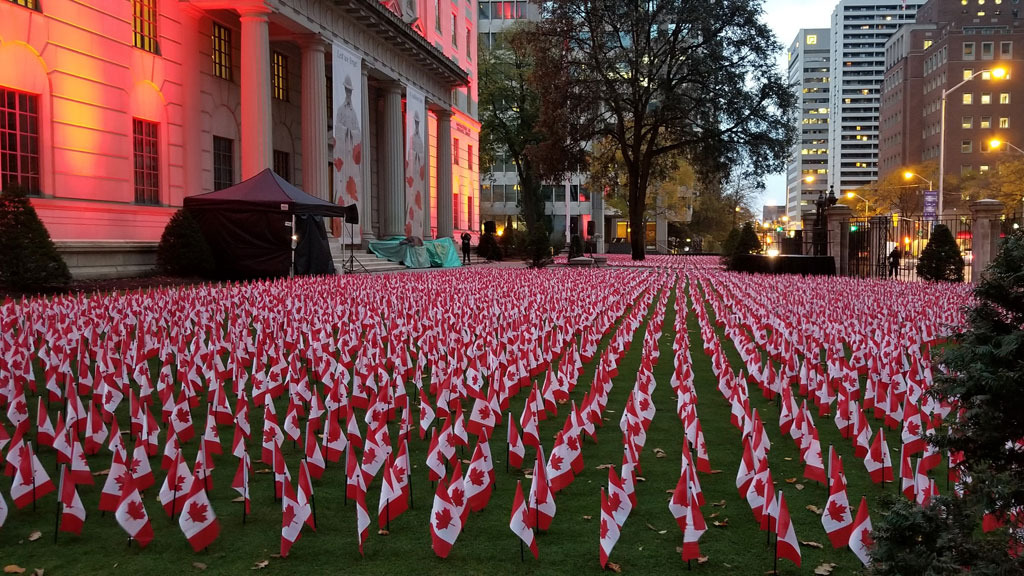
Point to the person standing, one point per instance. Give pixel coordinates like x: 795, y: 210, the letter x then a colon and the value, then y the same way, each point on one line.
x: 466, y: 238
x: 894, y: 262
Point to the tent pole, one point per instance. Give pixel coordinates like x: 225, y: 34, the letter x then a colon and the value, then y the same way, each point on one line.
x: 291, y: 271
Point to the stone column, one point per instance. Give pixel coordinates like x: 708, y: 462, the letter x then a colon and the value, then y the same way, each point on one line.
x: 393, y: 221
x: 445, y: 221
x: 192, y: 127
x: 839, y: 236
x: 597, y: 213
x: 366, y: 201
x: 314, y: 117
x: 984, y: 235
x: 428, y: 233
x: 257, y: 128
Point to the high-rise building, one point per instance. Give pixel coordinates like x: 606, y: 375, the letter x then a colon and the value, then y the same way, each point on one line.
x: 807, y: 169
x: 954, y: 46
x: 860, y: 29
x: 115, y: 111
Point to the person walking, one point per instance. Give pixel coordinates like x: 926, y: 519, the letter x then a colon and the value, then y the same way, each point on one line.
x: 894, y: 262
x: 466, y: 238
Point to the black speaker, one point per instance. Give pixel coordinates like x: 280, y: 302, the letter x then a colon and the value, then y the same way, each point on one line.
x: 574, y: 226
x: 490, y: 227
x: 590, y: 227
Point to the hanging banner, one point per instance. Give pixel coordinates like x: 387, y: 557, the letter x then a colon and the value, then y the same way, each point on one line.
x: 347, y: 158
x: 415, y: 160
x: 931, y: 205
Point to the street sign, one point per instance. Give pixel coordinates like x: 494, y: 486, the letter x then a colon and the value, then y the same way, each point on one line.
x: 931, y: 205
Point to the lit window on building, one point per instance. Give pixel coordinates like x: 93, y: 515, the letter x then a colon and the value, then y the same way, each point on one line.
x: 279, y: 75
x: 221, y: 53
x: 144, y: 24
x: 26, y: 3
x: 223, y: 163
x: 811, y: 39
x: 147, y: 161
x: 1004, y: 122
x: 986, y: 122
x: 986, y: 98
x: 968, y: 98
x: 1004, y: 98
x: 19, y: 140
x: 966, y: 146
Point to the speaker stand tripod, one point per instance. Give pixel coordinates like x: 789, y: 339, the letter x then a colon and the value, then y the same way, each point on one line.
x: 350, y: 264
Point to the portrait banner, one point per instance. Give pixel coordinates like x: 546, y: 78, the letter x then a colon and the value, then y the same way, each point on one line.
x: 347, y: 158
x: 415, y: 160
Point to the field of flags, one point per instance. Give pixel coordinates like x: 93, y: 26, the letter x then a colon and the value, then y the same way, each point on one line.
x: 496, y: 420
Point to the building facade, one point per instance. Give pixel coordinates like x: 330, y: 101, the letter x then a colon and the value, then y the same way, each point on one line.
x: 860, y: 29
x: 118, y: 110
x: 807, y: 170
x: 954, y: 42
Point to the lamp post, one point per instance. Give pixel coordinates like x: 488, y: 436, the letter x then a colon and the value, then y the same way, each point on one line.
x: 995, y: 143
x: 821, y: 206
x: 852, y: 195
x: 997, y: 73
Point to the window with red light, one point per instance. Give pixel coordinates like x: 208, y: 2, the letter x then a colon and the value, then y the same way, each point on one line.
x: 455, y: 151
x: 26, y: 3
x: 144, y: 25
x: 19, y: 139
x: 147, y: 161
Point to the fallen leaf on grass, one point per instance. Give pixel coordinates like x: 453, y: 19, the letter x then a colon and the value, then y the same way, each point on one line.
x: 790, y: 480
x: 383, y: 532
x: 814, y: 509
x: 264, y: 471
x: 715, y: 472
x: 788, y: 459
x: 641, y: 479
x: 199, y: 565
x: 260, y: 565
x: 239, y: 499
x: 670, y: 491
x: 812, y: 544
x: 588, y: 517
x: 713, y: 515
x: 102, y: 472
x: 720, y: 503
x: 615, y: 567
x: 605, y: 466
x: 702, y: 559
x: 659, y: 453
x: 13, y: 569
x: 36, y: 535
x: 798, y: 486
x: 721, y: 524
x: 37, y: 572
x: 824, y: 569
x: 651, y: 527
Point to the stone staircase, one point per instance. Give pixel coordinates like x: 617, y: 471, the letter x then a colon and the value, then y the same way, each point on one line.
x: 369, y: 262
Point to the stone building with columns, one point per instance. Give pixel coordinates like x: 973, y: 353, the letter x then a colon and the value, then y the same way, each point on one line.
x: 115, y: 110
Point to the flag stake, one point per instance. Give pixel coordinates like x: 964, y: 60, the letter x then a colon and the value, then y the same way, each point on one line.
x: 522, y: 558
x: 60, y: 505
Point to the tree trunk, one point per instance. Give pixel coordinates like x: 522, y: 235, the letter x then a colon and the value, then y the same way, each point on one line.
x: 637, y: 206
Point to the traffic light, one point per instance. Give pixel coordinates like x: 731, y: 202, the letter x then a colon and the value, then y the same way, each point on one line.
x: 895, y: 220
x: 853, y: 227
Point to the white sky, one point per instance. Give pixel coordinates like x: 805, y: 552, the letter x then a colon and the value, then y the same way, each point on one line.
x: 786, y: 18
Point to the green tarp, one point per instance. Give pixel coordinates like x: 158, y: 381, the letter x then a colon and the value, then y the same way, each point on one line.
x: 439, y: 253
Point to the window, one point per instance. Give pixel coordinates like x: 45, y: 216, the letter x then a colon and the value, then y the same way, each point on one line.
x: 1004, y: 98
x: 811, y: 39
x: 221, y: 51
x: 19, y: 139
x: 469, y: 46
x: 455, y: 151
x: 147, y: 161
x: 485, y: 193
x: 987, y: 50
x: 983, y: 146
x: 986, y: 122
x: 26, y: 3
x: 928, y: 44
x: 968, y: 98
x: 283, y: 164
x: 144, y: 25
x: 986, y: 98
x: 279, y: 75
x: 437, y: 15
x: 223, y: 163
x: 455, y: 30
x: 1004, y: 122
x: 967, y: 122
x: 485, y: 10
x: 469, y: 213
x: 469, y: 156
x: 965, y: 146
x: 968, y: 50
x: 968, y: 72
x: 983, y: 168
x: 1006, y: 49
x: 456, y: 210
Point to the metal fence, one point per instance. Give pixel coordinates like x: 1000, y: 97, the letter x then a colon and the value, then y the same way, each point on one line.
x: 884, y: 247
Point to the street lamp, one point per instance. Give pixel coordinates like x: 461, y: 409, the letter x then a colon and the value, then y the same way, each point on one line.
x: 821, y: 205
x: 995, y: 143
x: 852, y: 195
x: 908, y: 175
x: 996, y: 73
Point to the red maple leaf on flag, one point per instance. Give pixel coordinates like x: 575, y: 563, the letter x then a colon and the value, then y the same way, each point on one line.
x: 759, y: 485
x: 476, y: 476
x: 108, y: 397
x: 369, y: 455
x: 133, y: 466
x: 573, y: 442
x: 913, y: 428
x: 865, y: 538
x: 269, y: 435
x: 294, y: 421
x: 197, y: 513
x: 399, y: 471
x: 458, y: 496
x: 334, y: 434
x: 213, y: 432
x: 183, y: 415
x: 21, y: 408
x: 450, y: 440
x: 135, y: 510
x: 485, y: 412
x: 82, y: 458
x: 836, y: 511
x: 443, y: 519
x: 644, y: 404
x: 614, y: 501
x: 604, y: 528
x: 556, y: 462
x: 174, y: 482
x: 121, y: 479
x: 289, y: 515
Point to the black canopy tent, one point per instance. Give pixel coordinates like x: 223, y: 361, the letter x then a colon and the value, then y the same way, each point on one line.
x: 249, y: 227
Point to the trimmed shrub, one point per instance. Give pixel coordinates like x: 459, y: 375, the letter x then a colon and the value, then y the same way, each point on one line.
x: 183, y: 250
x: 28, y: 258
x: 488, y: 248
x: 729, y: 246
x: 538, y: 248
x: 941, y: 260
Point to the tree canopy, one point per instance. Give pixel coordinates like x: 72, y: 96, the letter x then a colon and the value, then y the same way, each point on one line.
x: 662, y: 78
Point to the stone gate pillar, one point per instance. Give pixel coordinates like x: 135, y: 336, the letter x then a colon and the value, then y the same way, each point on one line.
x: 984, y: 234
x: 839, y: 237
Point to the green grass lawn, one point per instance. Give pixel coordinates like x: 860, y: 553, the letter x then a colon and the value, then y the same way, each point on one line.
x: 648, y: 544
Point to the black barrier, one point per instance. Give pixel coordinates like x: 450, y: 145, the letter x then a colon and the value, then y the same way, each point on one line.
x: 795, y: 264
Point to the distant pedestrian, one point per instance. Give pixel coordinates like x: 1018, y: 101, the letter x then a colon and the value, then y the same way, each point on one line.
x: 894, y: 262
x: 466, y: 238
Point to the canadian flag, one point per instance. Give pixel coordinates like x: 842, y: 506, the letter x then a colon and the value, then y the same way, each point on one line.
x: 335, y: 440
x: 362, y: 513
x: 197, y: 520
x: 542, y: 501
x: 747, y: 469
x: 293, y: 516
x: 860, y: 534
x: 618, y: 498
x: 176, y: 487
x: 3, y: 511
x: 479, y: 479
x: 113, y: 487
x: 426, y: 414
x: 837, y: 518
x: 878, y: 461
x: 181, y: 420
x: 72, y: 512
x: 445, y: 521
x: 516, y: 449
x: 314, y: 457
x: 306, y: 493
x: 609, y: 530
x: 272, y: 434
x: 520, y: 522
x: 394, y: 490
x: 786, y: 544
x: 528, y: 422
x: 240, y: 483
x: 44, y: 428
x: 131, y: 514
x: 756, y: 490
